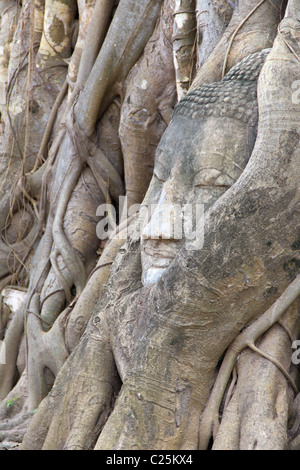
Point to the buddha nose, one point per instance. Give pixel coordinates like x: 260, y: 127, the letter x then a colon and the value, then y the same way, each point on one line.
x: 165, y: 217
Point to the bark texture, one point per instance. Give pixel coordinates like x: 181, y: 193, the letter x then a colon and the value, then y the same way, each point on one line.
x: 139, y: 341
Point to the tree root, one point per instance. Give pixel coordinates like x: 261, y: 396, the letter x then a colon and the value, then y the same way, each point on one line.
x: 94, y: 37
x: 277, y: 364
x: 14, y: 416
x: 209, y: 422
x: 258, y: 415
x: 15, y: 247
x: 51, y: 51
x: 57, y: 249
x: 62, y: 281
x: 46, y: 350
x: 79, y: 241
x: 248, y: 43
x: 96, y: 385
x: 147, y: 107
x: 106, y: 175
x: 18, y: 324
x: 138, y: 21
x: 72, y: 260
x: 50, y: 123
x: 234, y: 35
x: 12, y: 342
x: 184, y: 42
x: 12, y: 430
x: 87, y: 302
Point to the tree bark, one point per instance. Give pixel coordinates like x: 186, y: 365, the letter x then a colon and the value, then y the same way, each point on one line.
x: 201, y: 358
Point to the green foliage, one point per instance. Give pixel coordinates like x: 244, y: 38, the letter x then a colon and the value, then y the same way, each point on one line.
x: 10, y: 403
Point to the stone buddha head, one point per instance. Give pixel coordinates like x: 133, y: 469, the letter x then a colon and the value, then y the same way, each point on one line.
x: 201, y: 154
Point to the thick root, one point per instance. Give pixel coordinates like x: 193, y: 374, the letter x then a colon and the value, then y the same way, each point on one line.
x: 257, y: 33
x: 86, y: 385
x: 210, y: 417
x: 147, y: 107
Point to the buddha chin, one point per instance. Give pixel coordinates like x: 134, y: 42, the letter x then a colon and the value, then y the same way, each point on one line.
x: 156, y: 256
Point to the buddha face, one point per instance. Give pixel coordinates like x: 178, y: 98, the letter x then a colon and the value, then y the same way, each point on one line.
x: 194, y: 165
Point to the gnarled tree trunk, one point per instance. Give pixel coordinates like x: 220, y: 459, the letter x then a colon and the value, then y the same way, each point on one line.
x: 95, y: 357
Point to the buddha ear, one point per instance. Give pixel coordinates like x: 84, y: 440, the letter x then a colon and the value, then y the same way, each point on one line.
x: 293, y: 10
x: 289, y: 30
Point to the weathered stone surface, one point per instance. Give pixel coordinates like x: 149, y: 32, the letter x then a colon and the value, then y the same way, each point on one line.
x: 234, y: 96
x: 202, y: 154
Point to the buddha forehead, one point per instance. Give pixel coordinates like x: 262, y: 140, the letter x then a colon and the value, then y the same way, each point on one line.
x: 191, y: 145
x: 214, y: 118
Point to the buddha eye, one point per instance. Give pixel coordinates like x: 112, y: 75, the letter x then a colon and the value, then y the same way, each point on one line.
x: 160, y: 172
x: 212, y: 177
x: 158, y: 177
x: 206, y: 177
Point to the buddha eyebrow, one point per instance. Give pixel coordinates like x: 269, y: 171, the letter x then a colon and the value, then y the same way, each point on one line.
x: 206, y: 168
x: 158, y: 162
x: 161, y: 180
x: 160, y: 150
x: 161, y: 164
x: 223, y: 172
